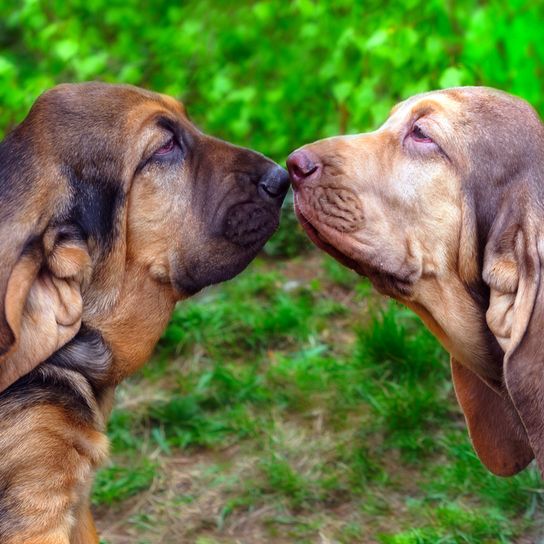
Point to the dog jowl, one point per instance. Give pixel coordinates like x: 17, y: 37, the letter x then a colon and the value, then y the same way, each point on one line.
x: 441, y: 208
x: 113, y: 207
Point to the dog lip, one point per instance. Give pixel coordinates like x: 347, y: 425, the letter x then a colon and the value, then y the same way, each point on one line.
x: 249, y: 224
x: 386, y: 282
x: 185, y: 284
x: 316, y: 237
x: 237, y: 234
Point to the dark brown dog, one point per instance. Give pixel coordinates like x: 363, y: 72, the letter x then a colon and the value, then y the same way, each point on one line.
x: 443, y: 209
x: 113, y: 206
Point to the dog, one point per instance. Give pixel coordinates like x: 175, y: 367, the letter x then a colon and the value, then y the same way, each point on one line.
x: 113, y: 207
x: 442, y: 208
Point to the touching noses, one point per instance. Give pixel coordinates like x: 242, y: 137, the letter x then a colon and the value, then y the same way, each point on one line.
x: 303, y: 166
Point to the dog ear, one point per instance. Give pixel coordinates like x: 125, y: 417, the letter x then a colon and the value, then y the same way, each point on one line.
x: 43, y: 302
x: 513, y: 270
x: 43, y: 262
x: 26, y: 206
x: 66, y: 172
x: 496, y: 432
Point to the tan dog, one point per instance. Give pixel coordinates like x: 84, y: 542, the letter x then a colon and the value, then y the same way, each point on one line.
x: 113, y: 206
x: 443, y: 209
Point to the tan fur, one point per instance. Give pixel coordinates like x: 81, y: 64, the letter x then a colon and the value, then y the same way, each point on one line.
x: 43, y: 305
x: 50, y: 459
x: 393, y: 190
x: 84, y: 532
x: 415, y: 223
x: 137, y: 323
x: 467, y: 265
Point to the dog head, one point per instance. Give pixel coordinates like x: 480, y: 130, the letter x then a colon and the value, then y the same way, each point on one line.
x: 442, y: 208
x: 113, y: 205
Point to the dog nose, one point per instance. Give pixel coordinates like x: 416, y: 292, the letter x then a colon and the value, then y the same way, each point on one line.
x: 303, y: 165
x: 274, y: 184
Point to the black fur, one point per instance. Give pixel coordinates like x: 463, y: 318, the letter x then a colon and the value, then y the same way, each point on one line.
x: 58, y: 379
x: 96, y: 200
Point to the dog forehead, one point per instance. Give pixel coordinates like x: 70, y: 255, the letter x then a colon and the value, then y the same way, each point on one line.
x: 157, y: 103
x: 175, y: 105
x: 145, y: 117
x: 106, y: 105
x: 143, y: 114
x: 447, y: 103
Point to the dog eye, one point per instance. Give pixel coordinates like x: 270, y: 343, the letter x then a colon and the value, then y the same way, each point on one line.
x: 167, y: 148
x: 418, y: 135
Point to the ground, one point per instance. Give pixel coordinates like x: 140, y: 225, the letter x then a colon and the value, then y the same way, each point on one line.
x: 294, y: 405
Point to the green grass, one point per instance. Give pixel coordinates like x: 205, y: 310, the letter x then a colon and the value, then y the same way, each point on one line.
x: 291, y: 403
x: 116, y: 482
x: 453, y: 524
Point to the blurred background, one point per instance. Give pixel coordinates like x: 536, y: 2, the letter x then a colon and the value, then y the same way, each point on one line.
x: 292, y: 404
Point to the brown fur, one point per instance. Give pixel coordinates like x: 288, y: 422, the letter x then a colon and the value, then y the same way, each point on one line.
x: 452, y: 229
x: 101, y: 233
x: 47, y: 459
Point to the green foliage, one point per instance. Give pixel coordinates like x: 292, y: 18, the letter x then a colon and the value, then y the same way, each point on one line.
x: 290, y: 239
x: 230, y: 323
x: 340, y: 275
x: 407, y: 351
x: 272, y: 75
x: 464, y: 469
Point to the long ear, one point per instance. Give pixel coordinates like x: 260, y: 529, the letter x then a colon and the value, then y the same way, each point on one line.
x: 64, y: 180
x: 43, y: 303
x: 42, y: 266
x: 495, y: 429
x: 26, y: 206
x: 513, y: 270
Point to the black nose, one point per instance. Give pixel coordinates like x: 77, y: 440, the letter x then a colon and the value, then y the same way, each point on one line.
x: 274, y: 184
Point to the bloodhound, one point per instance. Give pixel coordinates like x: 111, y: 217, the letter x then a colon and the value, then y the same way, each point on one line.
x: 113, y: 206
x: 443, y: 209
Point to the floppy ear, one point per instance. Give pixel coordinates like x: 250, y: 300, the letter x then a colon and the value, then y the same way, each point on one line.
x: 43, y: 304
x: 513, y: 270
x: 495, y: 429
x: 42, y: 263
x: 64, y: 180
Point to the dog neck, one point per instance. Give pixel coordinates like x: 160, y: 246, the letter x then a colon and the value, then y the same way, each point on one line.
x: 133, y: 325
x: 449, y: 320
